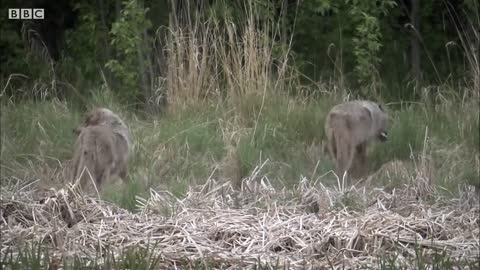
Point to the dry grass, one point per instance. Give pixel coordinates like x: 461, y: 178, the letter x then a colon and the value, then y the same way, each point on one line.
x: 220, y: 60
x: 305, y: 227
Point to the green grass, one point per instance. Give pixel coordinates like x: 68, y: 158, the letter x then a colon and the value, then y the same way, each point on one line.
x: 37, y: 128
x: 35, y: 256
x: 175, y: 150
x: 438, y: 260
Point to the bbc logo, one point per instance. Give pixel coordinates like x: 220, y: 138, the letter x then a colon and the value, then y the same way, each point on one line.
x: 26, y: 13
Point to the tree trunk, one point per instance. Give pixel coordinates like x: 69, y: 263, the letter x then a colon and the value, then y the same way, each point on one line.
x: 415, y: 41
x: 103, y: 18
x: 284, y: 22
x: 118, y: 9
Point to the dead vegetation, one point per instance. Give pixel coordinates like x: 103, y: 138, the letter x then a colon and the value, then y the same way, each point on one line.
x: 307, y: 227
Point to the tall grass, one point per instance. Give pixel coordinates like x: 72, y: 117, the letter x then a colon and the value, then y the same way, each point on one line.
x: 217, y: 59
x: 181, y: 148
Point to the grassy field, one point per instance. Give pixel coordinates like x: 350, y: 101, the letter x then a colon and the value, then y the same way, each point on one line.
x: 177, y: 149
x: 250, y: 123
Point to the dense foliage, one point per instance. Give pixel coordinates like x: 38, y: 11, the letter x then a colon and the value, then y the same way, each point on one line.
x: 373, y: 48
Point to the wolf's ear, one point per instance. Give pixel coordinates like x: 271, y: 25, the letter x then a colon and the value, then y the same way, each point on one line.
x: 380, y: 106
x: 93, y: 118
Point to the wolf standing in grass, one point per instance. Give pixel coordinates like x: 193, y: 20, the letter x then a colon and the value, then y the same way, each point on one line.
x: 101, y: 149
x: 349, y: 128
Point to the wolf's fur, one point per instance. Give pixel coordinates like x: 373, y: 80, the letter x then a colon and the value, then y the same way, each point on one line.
x: 102, y: 148
x: 350, y: 127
